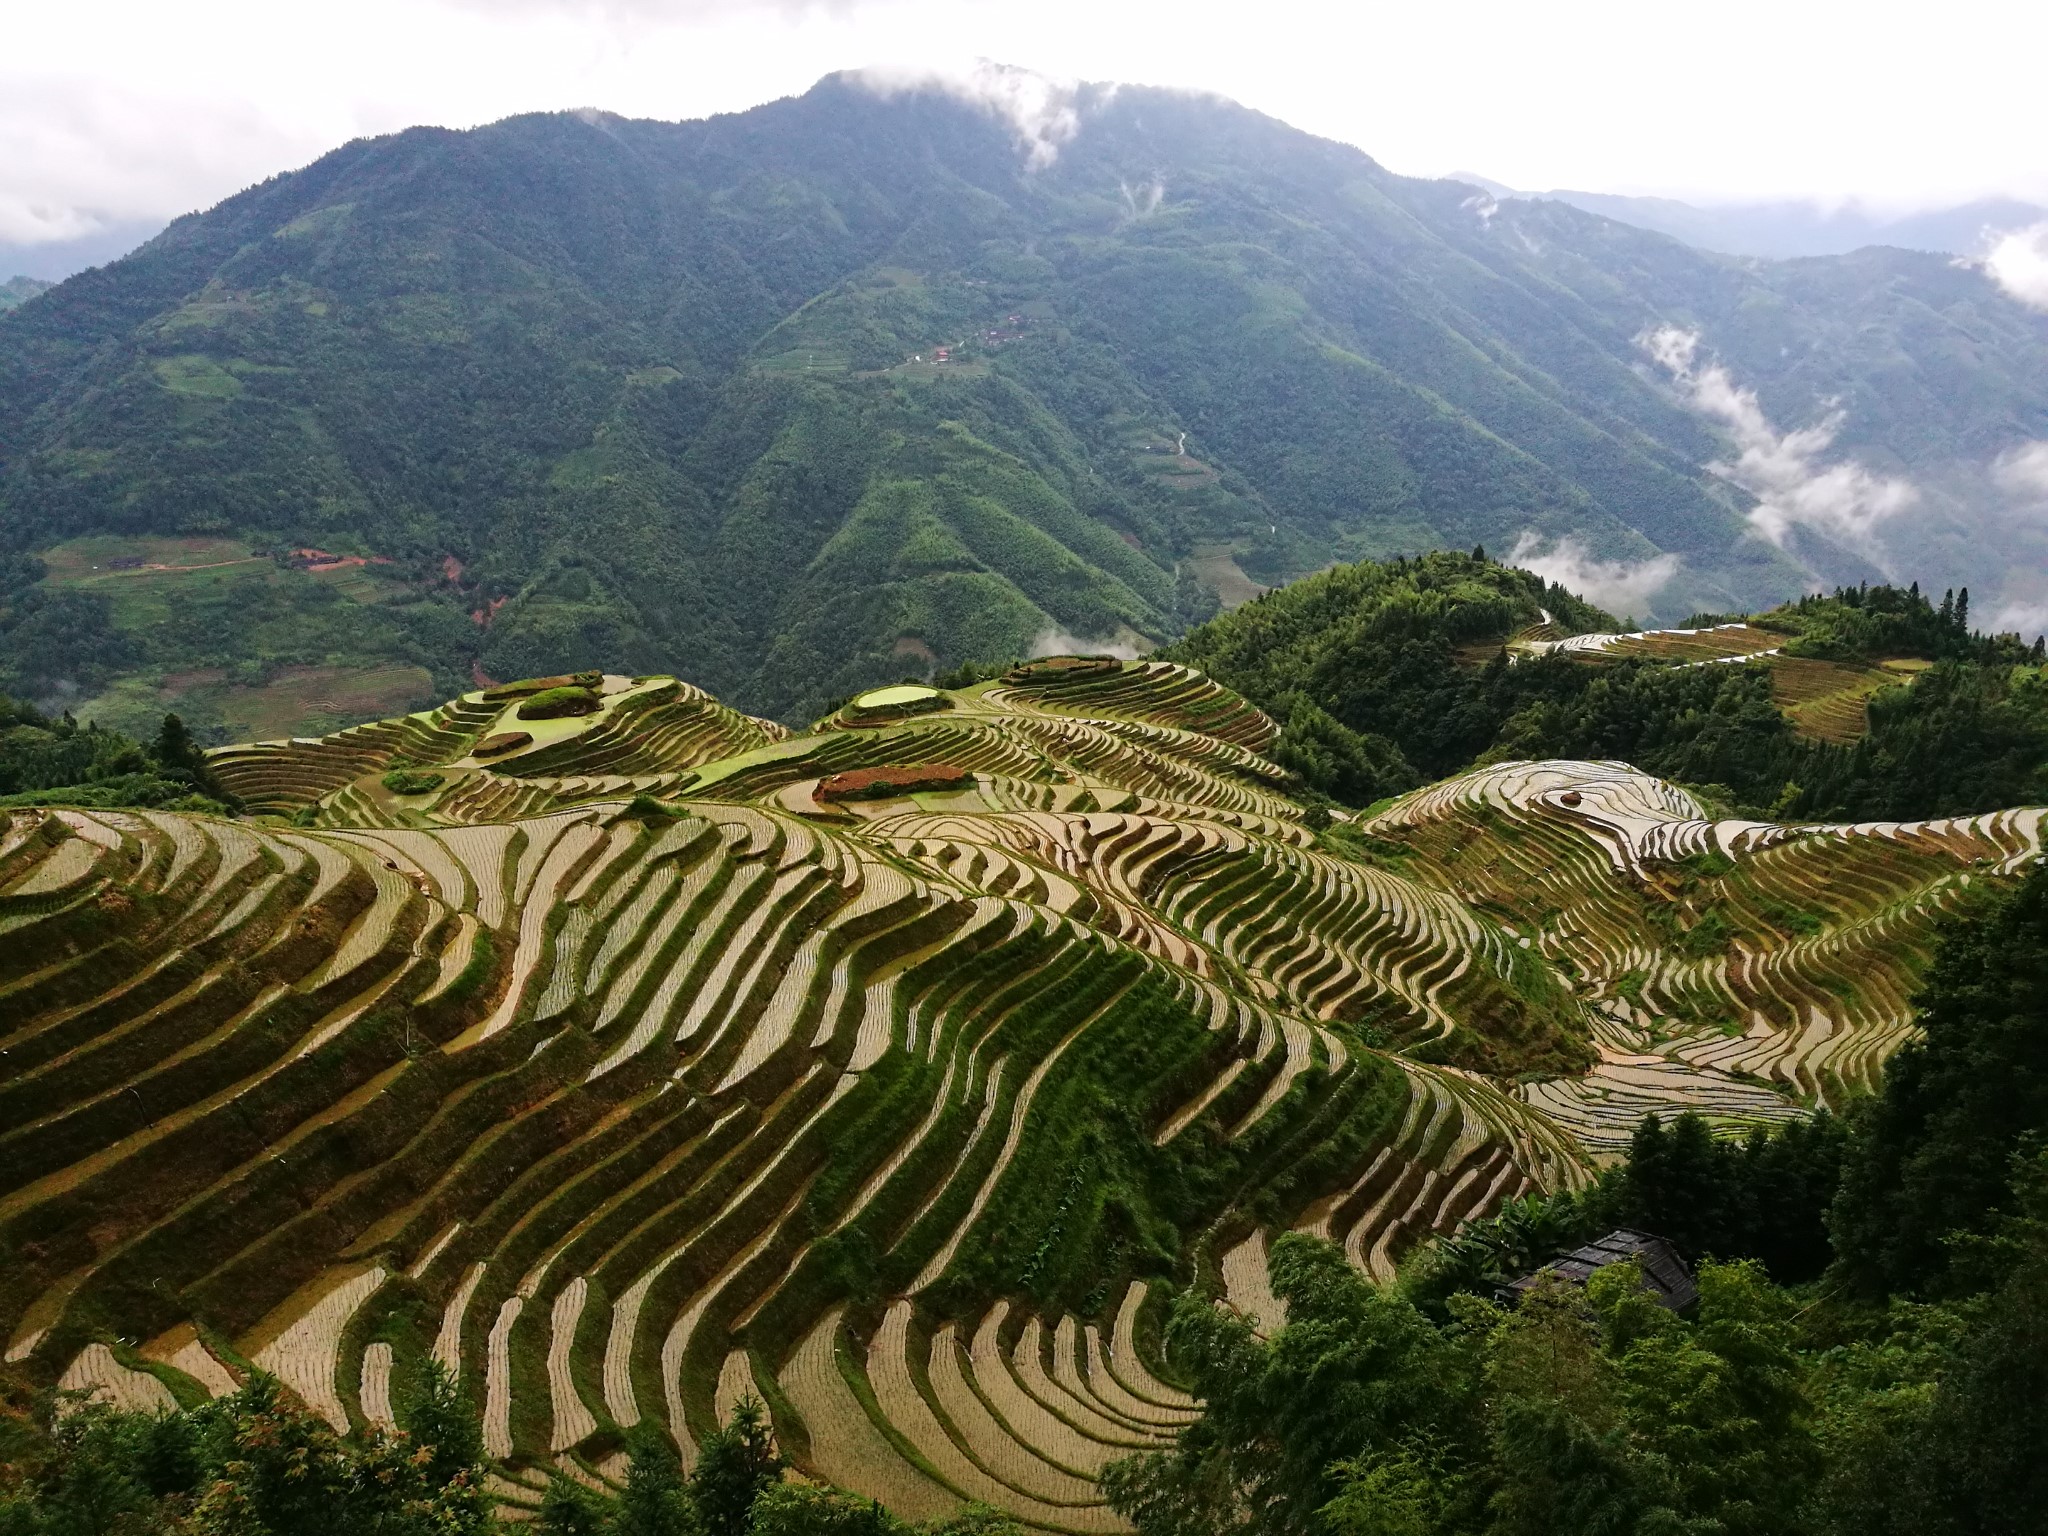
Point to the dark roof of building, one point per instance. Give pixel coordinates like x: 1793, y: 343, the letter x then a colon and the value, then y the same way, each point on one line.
x: 1664, y: 1272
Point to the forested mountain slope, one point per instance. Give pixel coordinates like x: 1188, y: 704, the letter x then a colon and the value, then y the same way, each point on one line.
x: 1871, y: 702
x: 630, y: 1056
x: 573, y: 390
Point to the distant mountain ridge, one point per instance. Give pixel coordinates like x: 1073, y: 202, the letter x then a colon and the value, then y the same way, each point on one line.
x: 858, y: 385
x: 19, y: 290
x: 1794, y: 227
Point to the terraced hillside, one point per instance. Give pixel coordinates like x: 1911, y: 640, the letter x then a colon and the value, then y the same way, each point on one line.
x: 634, y: 1058
x: 1825, y: 700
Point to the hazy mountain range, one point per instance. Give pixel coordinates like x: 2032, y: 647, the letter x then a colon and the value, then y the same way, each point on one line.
x: 19, y: 290
x: 591, y: 391
x: 1799, y: 226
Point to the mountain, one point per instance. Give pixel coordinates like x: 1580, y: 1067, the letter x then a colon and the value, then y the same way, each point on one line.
x: 1800, y: 227
x: 19, y: 290
x: 574, y: 391
x: 1874, y: 703
x: 631, y: 1056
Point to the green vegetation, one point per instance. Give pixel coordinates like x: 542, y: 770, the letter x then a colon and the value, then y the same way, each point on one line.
x: 16, y: 291
x: 1764, y: 1198
x: 1945, y: 1159
x: 60, y: 762
x: 632, y: 1079
x: 252, y: 1461
x: 890, y: 703
x: 529, y: 687
x: 1883, y: 1377
x: 1380, y: 675
x: 558, y: 703
x: 240, y: 644
x: 721, y: 440
x: 412, y: 781
x: 256, y: 1462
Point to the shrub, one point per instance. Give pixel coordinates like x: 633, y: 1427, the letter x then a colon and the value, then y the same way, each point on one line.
x: 1056, y: 669
x: 412, y: 781
x: 527, y: 687
x: 554, y: 703
x: 795, y: 1509
x: 881, y: 783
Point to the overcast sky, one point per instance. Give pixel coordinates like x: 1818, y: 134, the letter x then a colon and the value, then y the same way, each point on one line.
x: 127, y: 110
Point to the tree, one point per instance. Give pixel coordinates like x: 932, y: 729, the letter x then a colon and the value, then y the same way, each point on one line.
x: 92, y: 1483
x: 1985, y: 1443
x: 1357, y: 1367
x: 973, y: 1519
x: 1936, y: 1156
x: 655, y: 1501
x: 733, y: 1466
x: 798, y: 1509
x: 442, y: 1421
x: 1557, y: 1442
x: 569, y: 1508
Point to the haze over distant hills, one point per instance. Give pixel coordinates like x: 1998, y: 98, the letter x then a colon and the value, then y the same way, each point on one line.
x: 55, y: 260
x: 873, y: 381
x: 19, y: 290
x: 1799, y: 226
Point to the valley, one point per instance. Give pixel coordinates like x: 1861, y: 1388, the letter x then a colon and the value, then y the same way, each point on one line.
x: 670, y: 396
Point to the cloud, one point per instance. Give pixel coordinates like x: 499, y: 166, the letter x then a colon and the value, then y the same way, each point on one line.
x: 2020, y: 618
x: 1619, y: 586
x: 1484, y: 204
x: 2023, y: 471
x: 660, y: 12
x: 1044, y: 112
x: 77, y: 158
x: 1786, y: 472
x: 1141, y: 201
x: 2018, y: 263
x: 1054, y: 641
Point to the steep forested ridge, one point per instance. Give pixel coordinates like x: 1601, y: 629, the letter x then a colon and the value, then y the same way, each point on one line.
x: 1386, y: 675
x: 573, y: 390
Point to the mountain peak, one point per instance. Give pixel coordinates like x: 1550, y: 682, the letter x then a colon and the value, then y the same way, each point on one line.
x: 912, y: 372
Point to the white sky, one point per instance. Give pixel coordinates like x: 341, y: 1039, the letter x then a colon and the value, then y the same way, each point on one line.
x: 127, y: 109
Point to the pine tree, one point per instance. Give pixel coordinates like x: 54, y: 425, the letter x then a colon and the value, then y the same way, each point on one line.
x: 655, y: 1501
x: 733, y: 1467
x: 570, y: 1509
x: 442, y: 1421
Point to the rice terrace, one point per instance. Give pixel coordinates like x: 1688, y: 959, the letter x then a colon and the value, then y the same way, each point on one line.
x: 632, y: 1056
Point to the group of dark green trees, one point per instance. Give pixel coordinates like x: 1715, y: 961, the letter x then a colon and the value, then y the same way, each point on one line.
x: 45, y: 761
x: 737, y: 1488
x: 257, y: 1463
x: 1379, y: 675
x: 1869, y: 1353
